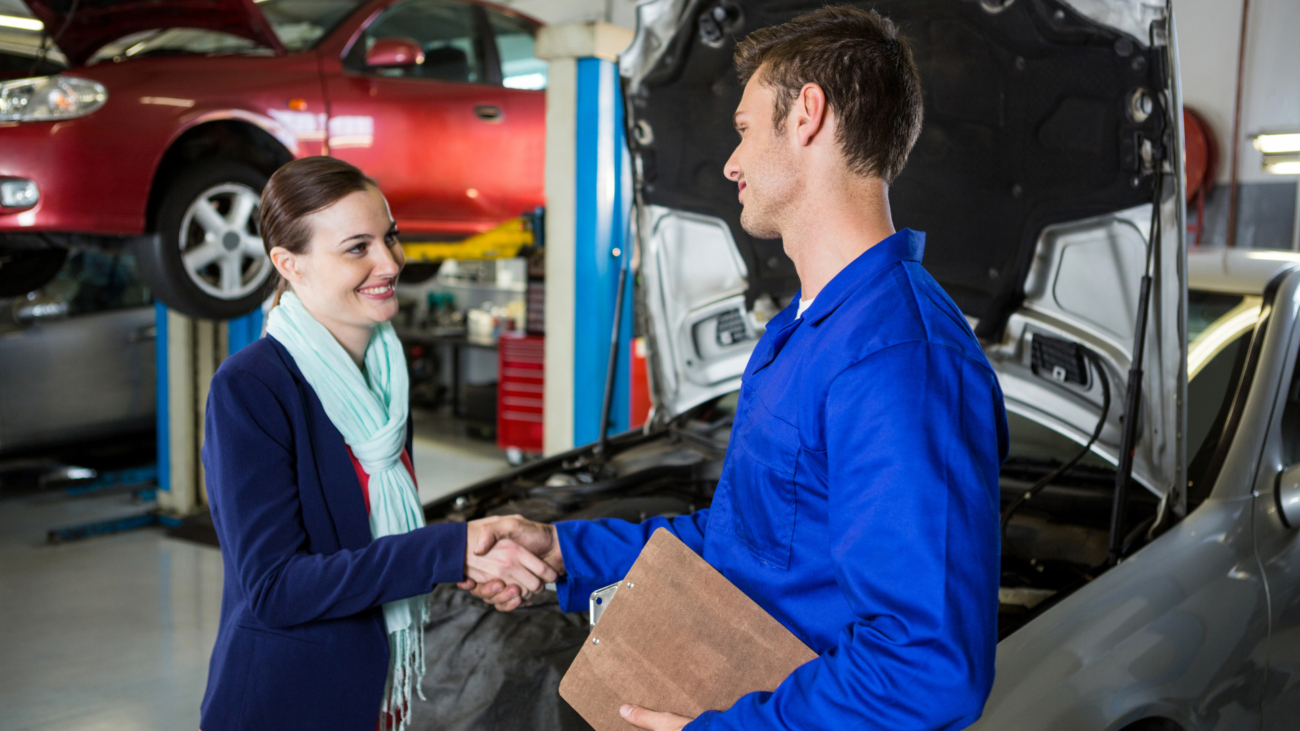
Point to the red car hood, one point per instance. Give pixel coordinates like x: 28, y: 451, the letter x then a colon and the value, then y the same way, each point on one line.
x: 99, y: 22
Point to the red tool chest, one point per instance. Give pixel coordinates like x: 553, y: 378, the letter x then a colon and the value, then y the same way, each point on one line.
x: 520, y: 382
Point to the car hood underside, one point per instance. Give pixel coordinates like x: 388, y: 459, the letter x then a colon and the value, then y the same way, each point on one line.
x: 1046, y: 131
x: 1025, y: 126
x: 97, y: 23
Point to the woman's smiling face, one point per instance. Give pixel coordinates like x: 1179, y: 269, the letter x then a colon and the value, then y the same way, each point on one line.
x: 347, y: 275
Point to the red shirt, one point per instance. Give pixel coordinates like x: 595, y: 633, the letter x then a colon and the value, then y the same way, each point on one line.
x: 364, y: 478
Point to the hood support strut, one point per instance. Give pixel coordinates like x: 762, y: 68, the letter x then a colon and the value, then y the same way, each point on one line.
x: 611, y: 371
x: 1133, y: 397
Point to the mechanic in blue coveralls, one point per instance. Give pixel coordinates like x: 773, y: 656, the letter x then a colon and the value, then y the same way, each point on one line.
x: 858, y: 503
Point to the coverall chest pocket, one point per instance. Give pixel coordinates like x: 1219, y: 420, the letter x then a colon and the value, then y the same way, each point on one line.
x: 762, y: 480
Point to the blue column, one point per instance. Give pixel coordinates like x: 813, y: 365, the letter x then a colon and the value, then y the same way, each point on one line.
x: 243, y: 331
x: 161, y: 411
x: 602, y: 211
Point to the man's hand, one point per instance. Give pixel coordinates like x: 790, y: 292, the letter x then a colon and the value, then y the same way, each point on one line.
x: 519, y: 537
x: 505, y: 563
x: 653, y: 720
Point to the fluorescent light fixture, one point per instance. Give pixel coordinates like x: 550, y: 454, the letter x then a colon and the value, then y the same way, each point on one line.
x: 1274, y: 255
x: 1281, y: 151
x: 13, y: 21
x: 1270, y: 144
x: 1283, y: 167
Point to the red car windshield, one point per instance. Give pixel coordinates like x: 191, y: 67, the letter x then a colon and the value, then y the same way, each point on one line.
x: 299, y: 24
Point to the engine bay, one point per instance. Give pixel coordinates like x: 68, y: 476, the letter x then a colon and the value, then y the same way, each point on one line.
x: 1052, y: 546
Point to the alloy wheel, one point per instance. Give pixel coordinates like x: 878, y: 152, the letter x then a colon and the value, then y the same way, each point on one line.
x: 221, y: 247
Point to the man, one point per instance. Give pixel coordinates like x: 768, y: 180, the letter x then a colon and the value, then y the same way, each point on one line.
x: 858, y: 503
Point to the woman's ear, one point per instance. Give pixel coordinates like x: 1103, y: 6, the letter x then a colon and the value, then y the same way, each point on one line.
x: 287, y: 264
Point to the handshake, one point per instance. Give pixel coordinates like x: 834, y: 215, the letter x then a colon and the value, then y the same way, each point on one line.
x: 509, y: 560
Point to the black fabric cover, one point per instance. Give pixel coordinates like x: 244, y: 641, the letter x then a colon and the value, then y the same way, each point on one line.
x: 497, y: 671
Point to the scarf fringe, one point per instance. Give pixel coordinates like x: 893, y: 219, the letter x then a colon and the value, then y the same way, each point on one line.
x: 405, y: 671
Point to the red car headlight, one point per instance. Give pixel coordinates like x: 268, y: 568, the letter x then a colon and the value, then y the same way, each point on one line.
x: 50, y: 98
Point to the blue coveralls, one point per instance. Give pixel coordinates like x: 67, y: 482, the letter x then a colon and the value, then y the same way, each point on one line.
x: 858, y: 505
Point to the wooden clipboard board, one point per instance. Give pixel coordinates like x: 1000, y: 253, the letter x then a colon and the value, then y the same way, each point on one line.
x: 677, y: 637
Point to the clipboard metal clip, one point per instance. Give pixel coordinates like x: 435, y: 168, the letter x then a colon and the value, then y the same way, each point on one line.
x: 599, y: 601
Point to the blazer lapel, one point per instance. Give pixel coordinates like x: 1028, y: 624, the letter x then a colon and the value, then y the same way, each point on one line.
x: 338, y: 480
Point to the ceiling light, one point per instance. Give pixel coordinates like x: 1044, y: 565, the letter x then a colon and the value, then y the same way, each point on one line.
x: 1281, y: 151
x: 1274, y: 255
x: 1272, y: 143
x: 1283, y: 167
x: 13, y: 21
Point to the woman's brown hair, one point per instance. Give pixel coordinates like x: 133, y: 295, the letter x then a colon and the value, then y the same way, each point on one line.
x: 297, y: 190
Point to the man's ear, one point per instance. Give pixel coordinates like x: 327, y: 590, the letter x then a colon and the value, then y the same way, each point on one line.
x: 809, y: 114
x: 287, y: 264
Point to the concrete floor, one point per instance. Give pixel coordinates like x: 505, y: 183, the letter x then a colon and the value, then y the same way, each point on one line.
x: 114, y: 633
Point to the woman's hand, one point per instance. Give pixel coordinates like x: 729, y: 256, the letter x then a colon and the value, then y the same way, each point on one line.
x: 524, y: 545
x: 504, y: 562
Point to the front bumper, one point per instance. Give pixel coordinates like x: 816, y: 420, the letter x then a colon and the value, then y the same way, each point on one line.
x: 91, y: 180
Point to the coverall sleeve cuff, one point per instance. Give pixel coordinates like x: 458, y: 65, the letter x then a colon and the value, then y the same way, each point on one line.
x: 575, y: 587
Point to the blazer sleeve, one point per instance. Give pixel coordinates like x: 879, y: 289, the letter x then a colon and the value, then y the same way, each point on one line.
x: 252, y: 484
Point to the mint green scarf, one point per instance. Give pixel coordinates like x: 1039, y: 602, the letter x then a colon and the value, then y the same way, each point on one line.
x: 370, y: 411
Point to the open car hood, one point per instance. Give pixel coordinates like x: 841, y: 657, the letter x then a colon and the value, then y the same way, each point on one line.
x: 97, y: 23
x: 1047, y: 127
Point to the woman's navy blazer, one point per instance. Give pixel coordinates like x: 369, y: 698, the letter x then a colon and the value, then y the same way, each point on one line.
x: 302, y: 643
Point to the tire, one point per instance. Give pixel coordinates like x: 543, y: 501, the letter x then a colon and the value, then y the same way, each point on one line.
x: 212, y: 267
x: 22, y: 271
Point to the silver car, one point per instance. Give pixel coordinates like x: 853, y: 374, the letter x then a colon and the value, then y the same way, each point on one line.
x: 77, y: 355
x: 1147, y: 578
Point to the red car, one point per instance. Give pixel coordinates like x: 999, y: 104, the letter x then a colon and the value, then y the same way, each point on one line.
x: 171, y: 116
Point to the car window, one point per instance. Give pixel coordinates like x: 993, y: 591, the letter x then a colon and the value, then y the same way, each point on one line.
x: 93, y: 281
x: 520, y: 69
x: 1291, y: 421
x: 300, y: 24
x: 1219, y: 329
x: 446, y: 32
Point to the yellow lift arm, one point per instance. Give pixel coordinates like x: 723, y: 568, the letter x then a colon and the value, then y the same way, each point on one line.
x: 503, y: 242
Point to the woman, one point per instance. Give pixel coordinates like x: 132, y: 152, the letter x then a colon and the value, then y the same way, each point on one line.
x: 327, y: 559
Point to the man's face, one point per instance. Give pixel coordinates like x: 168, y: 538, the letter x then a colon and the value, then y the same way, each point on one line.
x: 763, y: 164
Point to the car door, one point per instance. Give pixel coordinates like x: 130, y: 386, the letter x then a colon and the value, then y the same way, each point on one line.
x: 434, y: 134
x: 1278, y: 546
x: 77, y: 355
x: 523, y: 78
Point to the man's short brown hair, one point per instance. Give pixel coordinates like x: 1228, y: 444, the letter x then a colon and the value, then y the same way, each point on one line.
x: 865, y: 70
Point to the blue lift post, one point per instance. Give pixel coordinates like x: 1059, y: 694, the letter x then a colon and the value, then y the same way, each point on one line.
x: 602, y: 211
x: 240, y: 332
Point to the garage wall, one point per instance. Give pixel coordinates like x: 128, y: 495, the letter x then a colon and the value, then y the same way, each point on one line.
x: 1208, y: 33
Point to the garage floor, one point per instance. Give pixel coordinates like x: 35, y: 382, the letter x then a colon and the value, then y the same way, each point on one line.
x: 115, y: 632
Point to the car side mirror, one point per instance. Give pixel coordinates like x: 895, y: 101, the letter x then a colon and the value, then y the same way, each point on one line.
x: 1288, y: 496
x: 394, y: 53
x: 29, y: 311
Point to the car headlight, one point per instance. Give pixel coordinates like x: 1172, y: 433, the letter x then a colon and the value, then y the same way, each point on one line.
x: 49, y: 98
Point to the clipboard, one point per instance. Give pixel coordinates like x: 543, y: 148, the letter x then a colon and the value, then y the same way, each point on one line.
x: 677, y: 637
